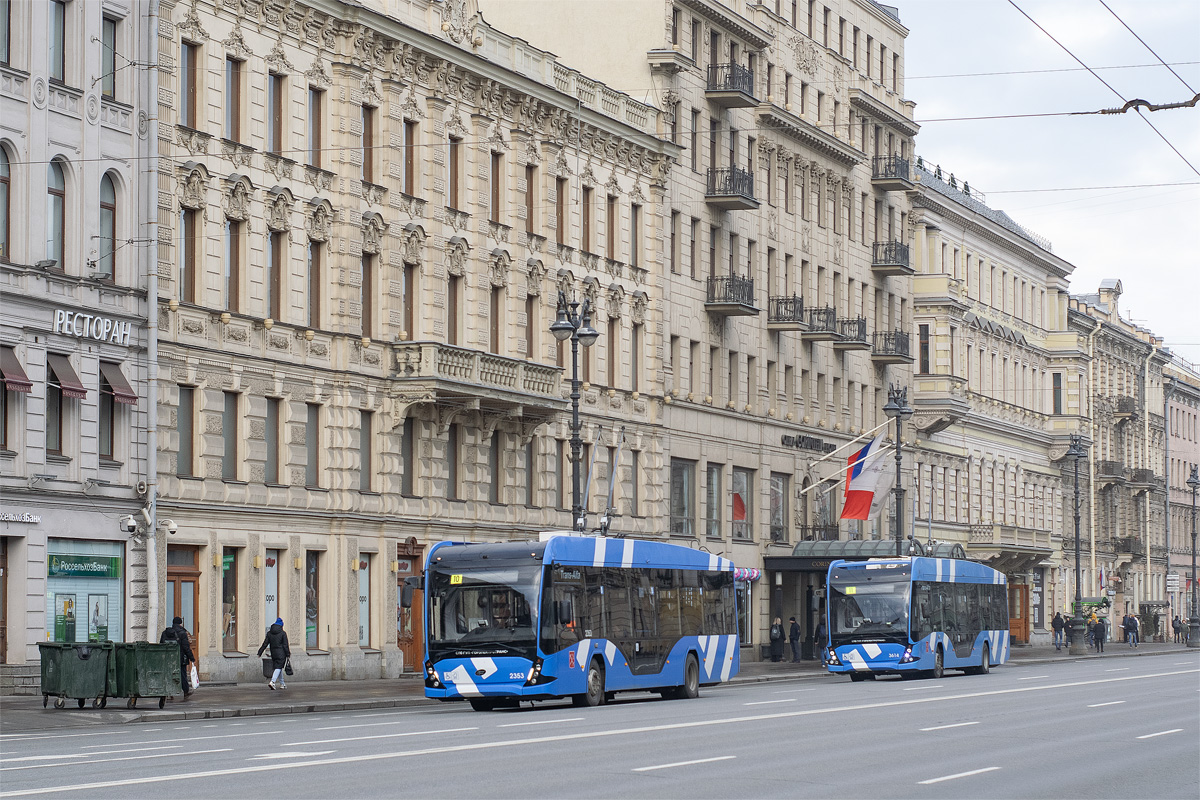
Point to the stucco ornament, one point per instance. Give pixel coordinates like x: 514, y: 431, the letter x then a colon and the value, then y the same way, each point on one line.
x: 459, y: 18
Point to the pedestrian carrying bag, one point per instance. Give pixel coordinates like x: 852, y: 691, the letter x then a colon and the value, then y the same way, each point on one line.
x: 287, y: 666
x: 268, y: 668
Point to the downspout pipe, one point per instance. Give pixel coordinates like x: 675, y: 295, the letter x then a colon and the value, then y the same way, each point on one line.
x: 1148, y: 589
x: 1168, y: 387
x: 1095, y: 442
x: 150, y: 211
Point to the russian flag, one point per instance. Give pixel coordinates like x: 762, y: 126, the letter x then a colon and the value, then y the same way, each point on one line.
x: 868, y: 474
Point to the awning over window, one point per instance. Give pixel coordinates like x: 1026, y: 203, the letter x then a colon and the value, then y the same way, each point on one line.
x: 68, y: 381
x: 121, y: 390
x: 15, y: 379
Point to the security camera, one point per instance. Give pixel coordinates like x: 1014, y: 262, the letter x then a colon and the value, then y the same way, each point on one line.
x: 146, y: 516
x: 170, y: 525
x: 128, y: 523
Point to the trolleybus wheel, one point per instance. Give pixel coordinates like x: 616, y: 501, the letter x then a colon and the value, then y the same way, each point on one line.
x: 857, y: 676
x: 985, y: 662
x: 691, y: 679
x: 482, y: 703
x: 594, y: 696
x: 938, y: 664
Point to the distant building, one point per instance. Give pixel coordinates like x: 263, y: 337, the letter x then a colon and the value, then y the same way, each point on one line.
x: 1182, y: 381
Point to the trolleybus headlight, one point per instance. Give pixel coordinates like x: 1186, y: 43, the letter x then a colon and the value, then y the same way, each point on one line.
x: 431, y: 679
x: 908, y: 657
x: 832, y: 658
x: 535, y: 674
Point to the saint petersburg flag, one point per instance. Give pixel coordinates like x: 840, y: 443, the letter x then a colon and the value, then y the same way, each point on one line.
x: 868, y: 476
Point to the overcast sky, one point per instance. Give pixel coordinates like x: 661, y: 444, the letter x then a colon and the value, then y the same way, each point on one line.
x: 1147, y: 237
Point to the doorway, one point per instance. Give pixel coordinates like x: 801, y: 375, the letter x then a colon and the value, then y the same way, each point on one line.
x: 1018, y: 619
x: 183, y: 587
x: 410, y: 622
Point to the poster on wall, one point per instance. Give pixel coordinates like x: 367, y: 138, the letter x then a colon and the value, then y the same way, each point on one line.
x: 64, y: 618
x: 98, y: 618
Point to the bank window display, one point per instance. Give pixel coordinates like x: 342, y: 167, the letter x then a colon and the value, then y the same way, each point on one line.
x: 84, y: 591
x: 229, y: 599
x: 312, y: 599
x: 364, y: 600
x: 271, y: 586
x: 743, y: 589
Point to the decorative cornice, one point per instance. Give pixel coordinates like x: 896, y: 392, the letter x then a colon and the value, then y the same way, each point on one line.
x: 877, y: 110
x: 773, y: 117
x: 754, y: 36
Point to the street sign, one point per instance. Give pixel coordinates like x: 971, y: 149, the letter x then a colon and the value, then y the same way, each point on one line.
x: 1172, y: 581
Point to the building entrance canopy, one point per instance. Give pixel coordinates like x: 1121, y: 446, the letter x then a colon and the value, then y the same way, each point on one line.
x: 817, y: 556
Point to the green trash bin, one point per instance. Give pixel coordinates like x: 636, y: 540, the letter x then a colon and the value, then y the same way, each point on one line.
x: 146, y: 669
x: 76, y: 671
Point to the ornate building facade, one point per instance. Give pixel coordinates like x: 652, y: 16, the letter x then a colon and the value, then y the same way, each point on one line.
x: 785, y: 265
x: 365, y: 218
x: 1182, y: 383
x: 1000, y: 386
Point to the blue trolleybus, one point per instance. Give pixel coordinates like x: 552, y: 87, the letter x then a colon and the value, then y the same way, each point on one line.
x: 910, y: 616
x: 578, y: 617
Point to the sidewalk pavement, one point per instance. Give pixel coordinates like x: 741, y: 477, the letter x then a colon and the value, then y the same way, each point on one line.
x: 25, y: 715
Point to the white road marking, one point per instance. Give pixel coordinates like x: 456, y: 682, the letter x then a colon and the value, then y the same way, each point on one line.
x: 268, y: 756
x: 191, y: 738
x: 792, y: 691
x: 1110, y: 703
x: 958, y: 775
x: 1031, y: 678
x: 561, y: 737
x: 539, y: 722
x: 922, y: 688
x: 364, y: 725
x: 379, y: 736
x: 683, y: 763
x: 1161, y: 733
x: 1118, y: 669
x: 73, y: 759
x: 771, y: 702
x: 944, y: 727
x: 91, y: 755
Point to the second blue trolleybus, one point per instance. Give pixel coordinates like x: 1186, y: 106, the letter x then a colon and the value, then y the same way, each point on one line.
x: 575, y: 616
x: 909, y: 616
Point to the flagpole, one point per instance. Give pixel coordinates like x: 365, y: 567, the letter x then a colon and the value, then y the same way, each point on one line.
x: 869, y: 458
x: 851, y: 443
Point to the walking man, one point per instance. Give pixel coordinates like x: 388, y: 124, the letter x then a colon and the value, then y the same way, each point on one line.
x: 1098, y: 634
x: 1133, y: 630
x: 178, y: 633
x: 794, y: 639
x: 1058, y: 624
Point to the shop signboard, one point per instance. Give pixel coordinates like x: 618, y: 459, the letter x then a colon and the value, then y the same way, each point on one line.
x: 84, y: 566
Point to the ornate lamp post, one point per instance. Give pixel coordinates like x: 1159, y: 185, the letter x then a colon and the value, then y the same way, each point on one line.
x: 1078, y: 646
x: 575, y: 323
x: 1193, y: 483
x: 898, y: 409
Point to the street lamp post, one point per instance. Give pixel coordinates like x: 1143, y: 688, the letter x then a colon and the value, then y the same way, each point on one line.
x: 1078, y: 646
x: 898, y: 409
x: 1193, y: 483
x: 575, y: 323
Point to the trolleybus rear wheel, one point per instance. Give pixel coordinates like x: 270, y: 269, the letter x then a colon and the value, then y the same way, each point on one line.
x: 691, y: 679
x: 938, y: 664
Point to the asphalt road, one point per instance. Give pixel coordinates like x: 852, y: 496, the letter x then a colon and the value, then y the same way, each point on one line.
x: 1094, y: 729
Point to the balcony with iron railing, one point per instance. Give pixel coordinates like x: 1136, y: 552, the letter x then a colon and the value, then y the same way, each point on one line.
x: 779, y: 533
x: 890, y: 258
x: 1108, y: 472
x: 817, y: 533
x: 1124, y: 407
x: 786, y: 313
x: 1128, y: 544
x: 891, y: 173
x: 852, y: 334
x: 822, y: 324
x: 890, y: 347
x: 731, y: 296
x: 730, y: 189
x: 1144, y: 478
x: 730, y: 86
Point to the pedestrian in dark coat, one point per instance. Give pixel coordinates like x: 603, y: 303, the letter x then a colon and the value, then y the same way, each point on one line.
x: 1098, y: 634
x: 1058, y: 623
x: 777, y: 638
x: 794, y: 640
x: 277, y: 640
x: 177, y: 633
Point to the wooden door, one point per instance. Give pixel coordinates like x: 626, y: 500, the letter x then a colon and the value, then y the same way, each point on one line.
x: 410, y: 622
x: 183, y: 589
x: 1018, y: 613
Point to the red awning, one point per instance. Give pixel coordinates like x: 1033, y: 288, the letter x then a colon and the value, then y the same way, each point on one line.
x: 121, y: 390
x: 15, y: 378
x: 68, y: 381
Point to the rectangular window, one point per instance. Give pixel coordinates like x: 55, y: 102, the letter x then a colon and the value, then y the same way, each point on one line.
x: 316, y: 125
x: 694, y: 247
x: 184, y: 423
x: 366, y: 466
x: 364, y: 599
x: 188, y: 237
x: 271, y: 434
x: 451, y: 462
x: 367, y: 295
x: 635, y: 485
x: 496, y: 468
x: 923, y: 345
x: 314, y: 284
x: 673, y: 246
x: 108, y: 51
x: 683, y: 504
x: 408, y: 294
x: 674, y: 26
x: 58, y: 40
x: 453, y: 297
x: 695, y: 40
x: 531, y: 472
x: 610, y: 228
x: 713, y: 501
x: 5, y: 31
x: 233, y: 99
x: 779, y: 507
x: 410, y: 157
x: 275, y: 102
x: 54, y: 413
x: 454, y: 169
x: 560, y: 473
x: 312, y: 599
x: 107, y: 418
x: 1058, y: 392
x: 585, y: 241
x: 233, y: 264
x: 496, y: 318
x: 532, y: 325
x: 561, y: 188
x: 408, y: 458
x: 531, y: 192
x: 229, y: 600
x: 497, y: 186
x: 271, y: 569
x: 694, y: 144
x: 276, y: 245
x: 635, y: 357
x: 368, y: 144
x: 312, y: 439
x: 614, y: 351
x: 742, y: 486
x: 229, y: 435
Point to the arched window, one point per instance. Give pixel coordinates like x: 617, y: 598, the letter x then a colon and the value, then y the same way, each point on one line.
x: 108, y: 229
x: 4, y: 196
x: 56, y: 200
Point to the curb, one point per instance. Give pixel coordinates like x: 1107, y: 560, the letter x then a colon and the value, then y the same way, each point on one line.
x: 268, y: 711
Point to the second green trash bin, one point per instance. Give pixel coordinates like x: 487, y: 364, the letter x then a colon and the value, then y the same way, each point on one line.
x: 146, y: 669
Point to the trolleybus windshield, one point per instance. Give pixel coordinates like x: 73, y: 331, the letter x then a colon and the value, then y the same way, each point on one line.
x: 483, y: 610
x: 869, y: 604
